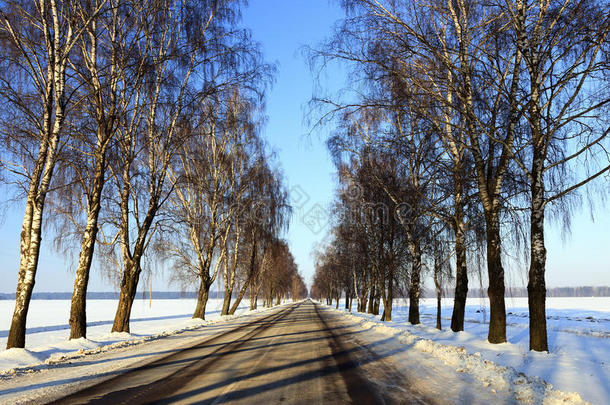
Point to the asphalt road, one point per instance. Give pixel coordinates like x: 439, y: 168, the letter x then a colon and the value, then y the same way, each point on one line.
x: 298, y: 354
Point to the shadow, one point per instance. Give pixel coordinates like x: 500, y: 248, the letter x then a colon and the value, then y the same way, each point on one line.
x: 52, y: 328
x: 164, y: 388
x: 231, y: 327
x: 206, y: 346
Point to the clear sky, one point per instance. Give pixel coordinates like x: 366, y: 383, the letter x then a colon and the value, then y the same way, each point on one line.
x: 283, y: 27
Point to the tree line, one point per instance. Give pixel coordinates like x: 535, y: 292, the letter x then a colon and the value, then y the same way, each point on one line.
x: 514, y: 292
x: 133, y: 129
x: 464, y: 127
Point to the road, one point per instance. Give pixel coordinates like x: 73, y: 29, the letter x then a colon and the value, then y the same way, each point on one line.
x: 297, y: 354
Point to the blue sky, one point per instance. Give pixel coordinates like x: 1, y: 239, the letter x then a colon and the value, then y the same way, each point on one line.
x: 283, y: 27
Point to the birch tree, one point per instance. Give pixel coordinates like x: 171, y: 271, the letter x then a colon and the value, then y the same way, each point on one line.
x: 199, y: 205
x: 435, y: 53
x: 38, y: 42
x: 180, y: 38
x: 566, y: 99
x: 264, y: 222
x: 108, y: 76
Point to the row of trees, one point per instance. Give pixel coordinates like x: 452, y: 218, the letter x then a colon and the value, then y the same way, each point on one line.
x: 469, y: 124
x: 136, y: 125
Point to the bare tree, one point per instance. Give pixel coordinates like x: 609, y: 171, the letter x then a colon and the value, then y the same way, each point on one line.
x: 265, y: 222
x: 565, y: 99
x: 178, y: 35
x: 433, y: 55
x: 279, y: 275
x: 38, y: 41
x: 201, y: 179
x: 109, y: 77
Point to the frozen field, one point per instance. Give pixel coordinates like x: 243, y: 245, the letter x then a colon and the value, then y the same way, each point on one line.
x: 579, y: 340
x: 588, y: 316
x: 48, y: 329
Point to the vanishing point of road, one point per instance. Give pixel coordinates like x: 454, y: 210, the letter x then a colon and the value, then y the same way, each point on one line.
x: 295, y: 354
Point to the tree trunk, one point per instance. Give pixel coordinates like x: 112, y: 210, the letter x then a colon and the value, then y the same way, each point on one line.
x: 31, y: 230
x: 386, y: 298
x: 240, y: 296
x: 387, y: 311
x: 439, y: 293
x: 461, y: 281
x: 495, y: 271
x: 30, y: 252
x: 439, y: 325
x: 226, y: 303
x: 230, y: 278
x: 243, y: 289
x: 131, y: 261
x: 363, y: 300
x: 78, y: 309
x: 129, y: 285
x: 226, y: 298
x: 254, y: 289
x: 536, y: 286
x: 202, y: 299
x: 390, y: 295
x: 414, y: 286
x: 371, y: 306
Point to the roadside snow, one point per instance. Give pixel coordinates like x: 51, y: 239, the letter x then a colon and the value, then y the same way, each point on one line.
x: 578, y: 364
x: 47, y: 337
x: 65, y: 372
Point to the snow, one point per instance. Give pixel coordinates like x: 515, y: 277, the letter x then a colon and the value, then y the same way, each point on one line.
x: 81, y: 363
x: 579, y: 344
x: 17, y: 356
x: 576, y: 368
x: 47, y: 331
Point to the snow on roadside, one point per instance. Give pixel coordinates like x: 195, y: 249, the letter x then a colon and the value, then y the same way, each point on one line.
x: 575, y: 372
x: 69, y: 372
x: 58, y: 348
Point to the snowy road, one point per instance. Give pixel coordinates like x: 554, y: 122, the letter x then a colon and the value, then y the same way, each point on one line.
x: 298, y: 354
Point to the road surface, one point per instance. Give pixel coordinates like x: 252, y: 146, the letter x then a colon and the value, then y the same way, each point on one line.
x: 297, y: 354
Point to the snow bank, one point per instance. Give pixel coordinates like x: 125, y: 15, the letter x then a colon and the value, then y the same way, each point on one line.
x: 19, y: 358
x: 575, y: 371
x: 47, y: 338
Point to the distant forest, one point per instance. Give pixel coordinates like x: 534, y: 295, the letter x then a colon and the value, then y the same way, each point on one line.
x: 583, y: 291
x: 111, y: 295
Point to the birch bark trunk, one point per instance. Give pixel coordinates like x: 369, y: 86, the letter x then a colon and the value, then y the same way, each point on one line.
x: 496, y: 290
x: 230, y: 276
x: 129, y: 285
x: 414, y: 285
x: 31, y: 232
x: 202, y: 299
x: 461, y: 277
x: 243, y: 289
x: 78, y: 308
x: 536, y: 286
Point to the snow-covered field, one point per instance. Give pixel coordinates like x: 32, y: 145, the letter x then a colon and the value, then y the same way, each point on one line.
x: 579, y: 340
x: 48, y: 329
